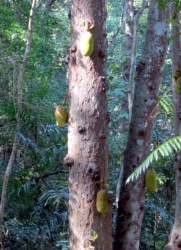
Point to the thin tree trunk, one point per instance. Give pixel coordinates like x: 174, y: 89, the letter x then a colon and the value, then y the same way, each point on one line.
x: 124, y: 107
x: 121, y: 25
x: 130, y: 45
x: 133, y: 54
x: 128, y: 41
x: 130, y: 49
x: 175, y: 236
x: 16, y: 137
x: 88, y: 154
x: 149, y: 70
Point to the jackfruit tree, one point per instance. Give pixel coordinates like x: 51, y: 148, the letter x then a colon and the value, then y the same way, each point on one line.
x: 88, y: 157
x: 131, y: 199
x: 33, y: 209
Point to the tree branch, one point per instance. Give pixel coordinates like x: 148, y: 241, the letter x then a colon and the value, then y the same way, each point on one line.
x: 59, y: 8
x: 27, y: 50
x: 6, y: 177
x: 49, y: 174
x: 121, y: 24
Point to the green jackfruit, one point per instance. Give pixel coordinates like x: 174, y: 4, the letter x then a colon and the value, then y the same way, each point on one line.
x: 178, y: 89
x: 175, y: 15
x: 178, y: 86
x: 177, y: 75
x: 61, y: 116
x: 179, y: 82
x: 87, y: 44
x: 151, y: 180
x: 102, y: 201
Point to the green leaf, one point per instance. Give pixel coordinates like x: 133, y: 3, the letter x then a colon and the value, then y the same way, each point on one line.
x: 173, y: 37
x: 166, y: 103
x: 168, y: 20
x: 161, y: 151
x: 173, y: 145
x: 107, y: 185
x: 169, y: 148
x: 165, y: 149
x: 93, y: 233
x: 177, y: 142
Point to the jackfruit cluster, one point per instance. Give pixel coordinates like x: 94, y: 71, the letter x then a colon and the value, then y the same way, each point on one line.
x: 151, y: 180
x: 61, y: 116
x: 87, y: 44
x: 102, y: 201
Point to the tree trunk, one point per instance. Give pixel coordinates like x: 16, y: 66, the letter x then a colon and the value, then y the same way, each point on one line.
x: 88, y: 155
x: 130, y: 49
x: 175, y: 236
x: 148, y: 77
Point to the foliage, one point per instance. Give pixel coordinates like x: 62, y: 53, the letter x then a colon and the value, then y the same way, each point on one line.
x: 165, y: 149
x: 159, y: 207
x: 36, y: 208
x: 164, y: 3
x: 166, y: 103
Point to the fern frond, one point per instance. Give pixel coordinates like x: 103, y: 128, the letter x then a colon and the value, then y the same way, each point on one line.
x: 58, y: 195
x: 165, y: 149
x: 166, y: 103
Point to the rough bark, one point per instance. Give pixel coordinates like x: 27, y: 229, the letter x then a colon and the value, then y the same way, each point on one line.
x: 175, y: 236
x: 88, y: 129
x: 148, y: 78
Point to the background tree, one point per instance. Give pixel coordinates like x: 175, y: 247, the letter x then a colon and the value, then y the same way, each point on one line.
x: 149, y: 70
x: 130, y: 45
x: 175, y: 236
